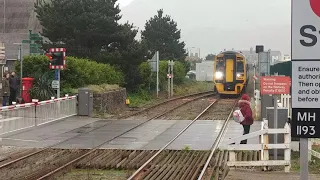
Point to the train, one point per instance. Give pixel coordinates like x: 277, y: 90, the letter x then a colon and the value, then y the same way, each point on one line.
x: 230, y: 73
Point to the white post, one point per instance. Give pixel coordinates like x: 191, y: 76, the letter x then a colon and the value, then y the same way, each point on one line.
x: 266, y: 142
x: 169, y: 79
x: 157, y: 74
x: 287, y: 152
x: 275, y: 125
x: 254, y: 80
x: 172, y: 77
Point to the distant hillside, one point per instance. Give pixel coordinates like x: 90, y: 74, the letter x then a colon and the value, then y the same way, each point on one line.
x: 214, y: 25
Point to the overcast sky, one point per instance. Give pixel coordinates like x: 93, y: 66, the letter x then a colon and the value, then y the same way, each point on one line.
x: 124, y: 2
x: 213, y: 25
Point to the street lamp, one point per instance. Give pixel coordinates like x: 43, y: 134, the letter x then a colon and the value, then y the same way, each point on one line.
x: 20, y: 59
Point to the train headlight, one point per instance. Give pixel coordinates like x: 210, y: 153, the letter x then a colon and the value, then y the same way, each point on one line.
x: 239, y: 75
x: 218, y: 75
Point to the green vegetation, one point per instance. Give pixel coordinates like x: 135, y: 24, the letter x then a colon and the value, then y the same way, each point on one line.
x: 191, y: 86
x: 79, y: 73
x: 139, y: 98
x: 104, y: 54
x: 85, y: 174
x: 186, y: 148
x: 314, y: 165
x: 97, y: 35
x: 161, y: 34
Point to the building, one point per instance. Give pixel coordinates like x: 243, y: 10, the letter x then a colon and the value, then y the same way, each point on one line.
x: 17, y: 17
x: 252, y: 56
x: 204, y: 71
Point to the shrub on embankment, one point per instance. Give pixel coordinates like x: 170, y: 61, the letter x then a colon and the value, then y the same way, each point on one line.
x: 78, y: 73
x: 149, y: 78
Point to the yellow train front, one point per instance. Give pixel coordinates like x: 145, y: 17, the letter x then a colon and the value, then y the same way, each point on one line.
x: 230, y: 73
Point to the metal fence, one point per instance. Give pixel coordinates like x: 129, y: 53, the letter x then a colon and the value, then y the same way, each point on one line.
x: 23, y: 116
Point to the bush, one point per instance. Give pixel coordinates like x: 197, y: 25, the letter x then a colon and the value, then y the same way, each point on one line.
x: 178, y: 73
x: 145, y: 73
x: 41, y: 89
x: 82, y: 72
x: 78, y: 73
x: 139, y: 98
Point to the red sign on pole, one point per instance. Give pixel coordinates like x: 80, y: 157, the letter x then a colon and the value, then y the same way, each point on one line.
x: 275, y: 85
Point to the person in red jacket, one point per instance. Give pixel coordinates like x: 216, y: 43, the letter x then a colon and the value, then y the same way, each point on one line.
x: 244, y: 105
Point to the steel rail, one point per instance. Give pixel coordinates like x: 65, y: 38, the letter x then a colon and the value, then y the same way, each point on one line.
x: 217, y: 142
x: 173, y: 139
x: 166, y: 101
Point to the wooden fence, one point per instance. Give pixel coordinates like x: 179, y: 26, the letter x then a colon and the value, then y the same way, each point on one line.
x: 263, y: 147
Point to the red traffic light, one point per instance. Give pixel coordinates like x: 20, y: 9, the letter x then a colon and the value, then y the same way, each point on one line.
x: 49, y: 55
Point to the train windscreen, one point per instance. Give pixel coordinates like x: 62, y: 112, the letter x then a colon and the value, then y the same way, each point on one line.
x: 220, y: 66
x: 240, y: 67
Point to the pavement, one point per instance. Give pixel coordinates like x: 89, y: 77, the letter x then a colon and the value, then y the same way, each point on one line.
x: 86, y: 132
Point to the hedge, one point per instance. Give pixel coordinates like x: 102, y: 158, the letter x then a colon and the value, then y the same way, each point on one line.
x: 78, y: 72
x: 150, y: 79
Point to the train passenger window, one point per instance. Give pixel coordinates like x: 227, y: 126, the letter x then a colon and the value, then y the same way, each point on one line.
x: 240, y: 67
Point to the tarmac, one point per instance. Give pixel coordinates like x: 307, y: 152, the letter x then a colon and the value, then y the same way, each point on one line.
x: 86, y: 133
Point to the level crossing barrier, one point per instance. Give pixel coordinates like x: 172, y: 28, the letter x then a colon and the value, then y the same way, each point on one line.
x: 23, y: 116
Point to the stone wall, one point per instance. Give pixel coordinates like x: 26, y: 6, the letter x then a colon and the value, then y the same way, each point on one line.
x: 110, y: 102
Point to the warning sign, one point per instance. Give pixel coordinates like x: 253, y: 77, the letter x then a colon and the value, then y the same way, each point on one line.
x: 275, y: 85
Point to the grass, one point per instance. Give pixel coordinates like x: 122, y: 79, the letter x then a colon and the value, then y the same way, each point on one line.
x: 102, y: 88
x: 191, y: 86
x: 138, y: 99
x: 314, y: 165
x: 186, y: 148
x: 94, y: 174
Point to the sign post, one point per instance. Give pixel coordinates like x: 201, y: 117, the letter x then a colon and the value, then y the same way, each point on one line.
x: 170, y: 78
x: 305, y: 55
x: 154, y: 64
x: 58, y: 63
x: 275, y: 85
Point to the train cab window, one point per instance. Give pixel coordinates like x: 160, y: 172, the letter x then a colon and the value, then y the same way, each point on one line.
x: 220, y: 66
x: 240, y: 67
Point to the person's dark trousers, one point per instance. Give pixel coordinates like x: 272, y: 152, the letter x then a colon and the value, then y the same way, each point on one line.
x: 4, y: 100
x: 13, y: 96
x: 246, y: 130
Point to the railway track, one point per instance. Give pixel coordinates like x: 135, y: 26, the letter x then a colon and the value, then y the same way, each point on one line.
x: 199, y: 167
x: 53, y: 168
x: 166, y: 106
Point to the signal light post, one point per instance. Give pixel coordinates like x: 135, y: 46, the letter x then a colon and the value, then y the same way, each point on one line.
x: 57, y: 57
